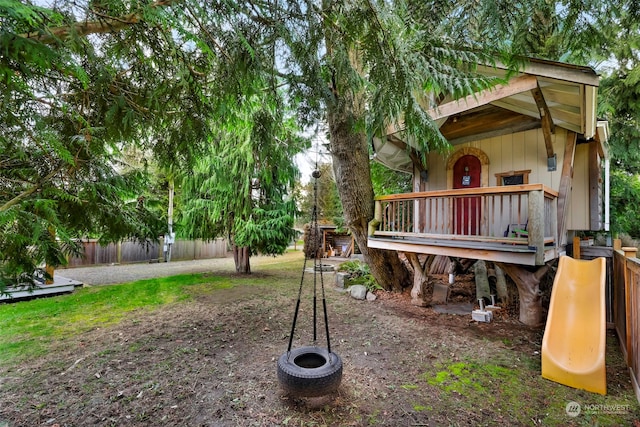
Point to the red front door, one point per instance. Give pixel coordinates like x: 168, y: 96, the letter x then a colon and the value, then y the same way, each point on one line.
x: 466, y: 174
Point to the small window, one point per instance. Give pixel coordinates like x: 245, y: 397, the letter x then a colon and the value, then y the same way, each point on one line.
x: 513, y: 180
x: 513, y: 177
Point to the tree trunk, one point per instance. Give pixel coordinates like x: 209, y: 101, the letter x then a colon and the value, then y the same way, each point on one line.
x: 350, y: 155
x: 420, y: 276
x: 483, y: 289
x: 501, y: 286
x: 241, y: 259
x: 528, y: 283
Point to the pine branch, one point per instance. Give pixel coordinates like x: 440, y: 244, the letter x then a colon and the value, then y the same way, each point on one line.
x: 29, y: 191
x: 208, y: 34
x: 106, y: 25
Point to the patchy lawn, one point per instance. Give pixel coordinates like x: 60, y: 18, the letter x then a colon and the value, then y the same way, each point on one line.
x: 208, y: 358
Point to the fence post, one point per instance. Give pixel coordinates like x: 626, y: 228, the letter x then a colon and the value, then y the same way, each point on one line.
x: 629, y: 252
x: 617, y: 244
x: 576, y: 247
x: 197, y: 250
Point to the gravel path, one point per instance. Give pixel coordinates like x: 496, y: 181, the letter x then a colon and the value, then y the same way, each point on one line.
x: 110, y: 274
x: 120, y: 273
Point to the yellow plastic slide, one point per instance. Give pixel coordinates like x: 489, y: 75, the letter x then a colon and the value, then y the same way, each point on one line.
x: 573, y: 346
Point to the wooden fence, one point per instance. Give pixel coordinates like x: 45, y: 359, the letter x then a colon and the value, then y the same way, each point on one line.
x: 131, y: 252
x: 626, y: 305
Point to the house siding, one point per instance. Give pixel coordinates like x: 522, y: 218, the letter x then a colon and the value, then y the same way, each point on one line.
x: 524, y: 151
x: 578, y: 218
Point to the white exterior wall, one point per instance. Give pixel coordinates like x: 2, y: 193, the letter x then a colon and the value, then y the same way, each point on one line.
x: 578, y: 218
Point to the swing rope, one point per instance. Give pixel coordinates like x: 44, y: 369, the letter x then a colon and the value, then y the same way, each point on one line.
x: 316, y: 267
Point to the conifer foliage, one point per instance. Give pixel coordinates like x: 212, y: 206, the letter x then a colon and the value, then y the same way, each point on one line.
x: 69, y: 107
x: 192, y: 80
x: 240, y: 189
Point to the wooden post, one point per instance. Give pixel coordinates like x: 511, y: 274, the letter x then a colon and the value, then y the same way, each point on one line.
x: 553, y: 221
x: 324, y: 244
x: 501, y: 285
x: 483, y: 289
x: 50, y: 269
x: 377, y: 218
x: 576, y: 247
x: 535, y: 226
x: 629, y: 252
x: 595, y: 187
x: 617, y: 244
x: 565, y: 186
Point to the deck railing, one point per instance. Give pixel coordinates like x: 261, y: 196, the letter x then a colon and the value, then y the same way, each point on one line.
x: 518, y: 215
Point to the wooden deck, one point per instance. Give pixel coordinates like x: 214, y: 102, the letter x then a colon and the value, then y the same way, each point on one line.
x: 487, y: 251
x: 514, y: 224
x: 61, y: 285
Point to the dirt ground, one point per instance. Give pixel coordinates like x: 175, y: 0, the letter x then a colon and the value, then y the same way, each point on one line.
x: 211, y: 361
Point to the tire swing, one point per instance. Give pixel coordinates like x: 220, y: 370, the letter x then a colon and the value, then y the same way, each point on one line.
x: 310, y: 371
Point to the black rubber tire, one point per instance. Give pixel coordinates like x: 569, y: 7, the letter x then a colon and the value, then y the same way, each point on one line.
x: 309, y: 372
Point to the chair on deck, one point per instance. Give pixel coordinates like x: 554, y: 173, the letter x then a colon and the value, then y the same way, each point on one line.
x: 517, y: 230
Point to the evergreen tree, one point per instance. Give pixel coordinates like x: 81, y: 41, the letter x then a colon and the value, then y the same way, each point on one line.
x: 329, y: 208
x: 241, y: 188
x: 163, y: 73
x: 71, y: 104
x: 619, y: 104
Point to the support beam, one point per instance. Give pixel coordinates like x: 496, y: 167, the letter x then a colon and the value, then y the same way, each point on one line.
x: 545, y: 117
x: 565, y: 186
x: 516, y: 85
x: 595, y: 188
x: 536, y: 224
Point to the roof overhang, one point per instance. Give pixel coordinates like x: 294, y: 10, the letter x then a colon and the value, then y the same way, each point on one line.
x: 545, y: 94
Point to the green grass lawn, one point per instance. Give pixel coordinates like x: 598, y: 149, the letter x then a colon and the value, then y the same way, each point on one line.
x: 492, y: 374
x: 29, y: 327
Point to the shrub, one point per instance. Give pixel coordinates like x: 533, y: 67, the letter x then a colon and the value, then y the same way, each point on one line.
x: 359, y: 274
